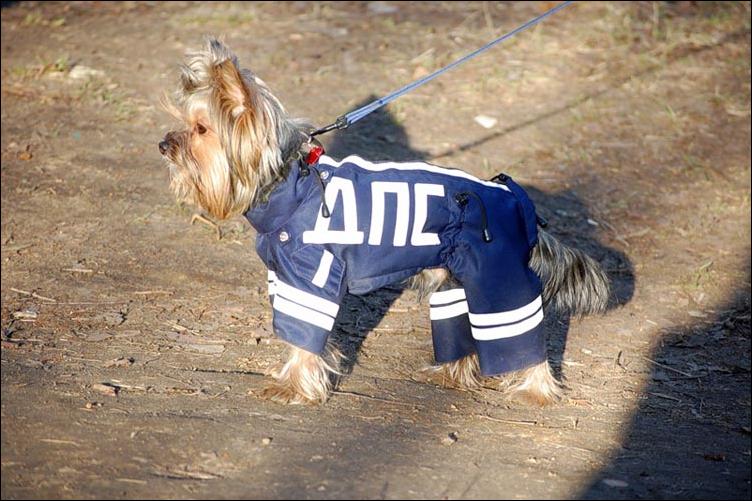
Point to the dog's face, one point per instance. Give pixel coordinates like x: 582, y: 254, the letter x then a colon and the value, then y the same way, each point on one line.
x: 227, y: 147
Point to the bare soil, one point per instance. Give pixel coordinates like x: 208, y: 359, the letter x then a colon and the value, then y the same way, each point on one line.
x: 134, y: 344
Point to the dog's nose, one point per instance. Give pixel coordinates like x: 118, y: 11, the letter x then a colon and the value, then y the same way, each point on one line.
x: 163, y: 147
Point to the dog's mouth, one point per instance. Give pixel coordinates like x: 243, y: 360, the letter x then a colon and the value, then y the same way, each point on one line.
x: 169, y: 154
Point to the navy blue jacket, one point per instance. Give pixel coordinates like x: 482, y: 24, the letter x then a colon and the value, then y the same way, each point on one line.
x: 387, y: 222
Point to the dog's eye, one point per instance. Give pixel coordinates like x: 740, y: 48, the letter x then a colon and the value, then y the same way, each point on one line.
x: 200, y: 129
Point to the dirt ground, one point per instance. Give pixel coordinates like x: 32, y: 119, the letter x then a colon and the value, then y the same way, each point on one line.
x: 134, y: 344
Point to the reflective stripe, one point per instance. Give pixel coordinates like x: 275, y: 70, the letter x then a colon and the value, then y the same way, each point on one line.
x: 382, y: 166
x: 302, y: 313
x: 450, y: 311
x: 447, y: 296
x: 304, y: 298
x: 505, y: 331
x: 322, y: 274
x: 506, y: 317
x: 271, y: 283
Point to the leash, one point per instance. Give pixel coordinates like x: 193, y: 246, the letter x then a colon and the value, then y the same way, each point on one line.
x: 346, y: 120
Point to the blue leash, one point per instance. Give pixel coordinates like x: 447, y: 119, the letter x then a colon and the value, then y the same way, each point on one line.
x: 348, y: 119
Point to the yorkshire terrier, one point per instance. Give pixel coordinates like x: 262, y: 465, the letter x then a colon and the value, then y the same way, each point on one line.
x: 327, y: 227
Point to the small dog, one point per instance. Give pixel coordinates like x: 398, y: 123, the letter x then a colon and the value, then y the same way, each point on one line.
x: 325, y: 228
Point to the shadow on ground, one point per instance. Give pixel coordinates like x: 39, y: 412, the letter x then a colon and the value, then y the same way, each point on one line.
x: 708, y: 407
x: 568, y: 217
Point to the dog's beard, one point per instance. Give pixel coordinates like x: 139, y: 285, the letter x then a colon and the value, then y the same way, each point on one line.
x: 208, y: 183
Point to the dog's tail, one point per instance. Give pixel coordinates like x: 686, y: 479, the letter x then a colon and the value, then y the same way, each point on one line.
x: 572, y: 281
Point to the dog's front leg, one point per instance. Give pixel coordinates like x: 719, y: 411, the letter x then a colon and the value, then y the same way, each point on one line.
x: 306, y: 378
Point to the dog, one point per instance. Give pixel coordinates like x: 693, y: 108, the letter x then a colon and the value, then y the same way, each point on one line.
x: 327, y: 227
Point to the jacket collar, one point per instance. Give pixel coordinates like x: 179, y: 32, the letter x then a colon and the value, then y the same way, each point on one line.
x: 283, y: 201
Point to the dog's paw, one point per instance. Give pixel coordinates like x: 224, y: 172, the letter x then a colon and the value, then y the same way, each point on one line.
x: 462, y: 374
x: 286, y: 394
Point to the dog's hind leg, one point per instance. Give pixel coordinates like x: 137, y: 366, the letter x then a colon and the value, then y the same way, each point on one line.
x: 306, y: 378
x: 535, y: 384
x: 462, y: 374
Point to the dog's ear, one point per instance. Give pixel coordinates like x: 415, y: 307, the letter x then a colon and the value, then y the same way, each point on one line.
x: 231, y: 87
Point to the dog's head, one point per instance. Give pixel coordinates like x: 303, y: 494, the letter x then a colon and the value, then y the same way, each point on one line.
x: 233, y: 135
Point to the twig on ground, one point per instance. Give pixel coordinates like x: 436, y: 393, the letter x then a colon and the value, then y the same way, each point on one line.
x: 507, y: 421
x: 369, y: 397
x: 669, y: 368
x: 34, y: 295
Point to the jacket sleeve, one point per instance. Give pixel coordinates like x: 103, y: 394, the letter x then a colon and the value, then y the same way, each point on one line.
x: 306, y: 291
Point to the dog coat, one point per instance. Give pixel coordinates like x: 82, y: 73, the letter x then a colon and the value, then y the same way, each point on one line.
x: 388, y: 221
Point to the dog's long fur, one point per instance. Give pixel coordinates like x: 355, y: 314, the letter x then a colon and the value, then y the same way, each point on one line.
x: 234, y: 149
x: 305, y: 377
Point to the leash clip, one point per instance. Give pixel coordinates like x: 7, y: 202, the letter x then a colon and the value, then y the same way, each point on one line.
x: 341, y: 123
